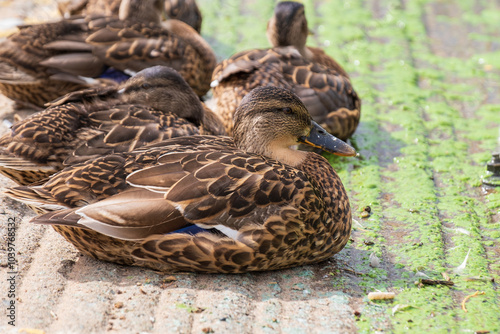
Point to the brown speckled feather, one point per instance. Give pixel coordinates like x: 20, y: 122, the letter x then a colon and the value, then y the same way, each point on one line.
x: 22, y: 76
x: 92, y: 123
x: 257, y: 213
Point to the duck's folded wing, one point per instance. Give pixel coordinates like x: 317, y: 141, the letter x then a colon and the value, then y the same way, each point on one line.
x: 78, y: 185
x: 22, y: 53
x: 132, y: 50
x: 222, y: 190
x: 44, y: 136
x: 313, y: 81
x: 123, y: 128
x: 328, y: 95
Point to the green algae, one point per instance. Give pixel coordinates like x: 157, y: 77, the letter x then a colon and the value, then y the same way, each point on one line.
x: 428, y: 127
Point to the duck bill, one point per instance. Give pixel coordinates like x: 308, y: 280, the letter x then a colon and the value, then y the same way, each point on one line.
x: 320, y: 138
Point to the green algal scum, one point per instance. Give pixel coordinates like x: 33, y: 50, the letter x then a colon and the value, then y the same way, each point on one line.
x: 425, y: 136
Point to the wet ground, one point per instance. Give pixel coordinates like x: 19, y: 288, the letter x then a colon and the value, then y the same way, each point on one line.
x: 428, y: 73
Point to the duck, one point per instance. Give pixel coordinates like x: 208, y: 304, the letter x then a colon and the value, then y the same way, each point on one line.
x: 42, y: 62
x: 321, y: 83
x: 153, y: 105
x: 211, y: 204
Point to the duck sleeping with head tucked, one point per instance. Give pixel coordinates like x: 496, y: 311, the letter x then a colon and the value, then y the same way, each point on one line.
x: 205, y: 203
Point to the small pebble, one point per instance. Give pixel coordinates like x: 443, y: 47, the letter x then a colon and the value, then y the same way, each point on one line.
x: 374, y: 260
x: 169, y: 279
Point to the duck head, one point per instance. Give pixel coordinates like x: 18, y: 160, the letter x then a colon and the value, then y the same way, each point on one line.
x: 288, y: 26
x: 270, y: 120
x: 164, y: 89
x: 141, y: 10
x: 186, y: 11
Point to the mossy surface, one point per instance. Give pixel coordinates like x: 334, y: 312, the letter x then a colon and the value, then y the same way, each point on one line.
x: 428, y: 73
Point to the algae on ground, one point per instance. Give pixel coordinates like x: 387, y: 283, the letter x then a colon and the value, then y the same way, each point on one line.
x: 429, y: 124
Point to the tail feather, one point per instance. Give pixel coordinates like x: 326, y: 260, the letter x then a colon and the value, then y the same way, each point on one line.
x: 66, y: 217
x: 35, y: 197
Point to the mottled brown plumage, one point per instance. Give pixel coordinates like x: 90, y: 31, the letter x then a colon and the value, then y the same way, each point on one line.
x: 260, y: 205
x: 42, y: 62
x: 88, y: 7
x: 154, y: 105
x: 172, y: 43
x: 22, y: 76
x: 316, y: 78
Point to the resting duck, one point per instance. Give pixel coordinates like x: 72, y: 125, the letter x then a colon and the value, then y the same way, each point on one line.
x: 42, y: 62
x: 317, y: 79
x: 208, y: 204
x: 154, y: 105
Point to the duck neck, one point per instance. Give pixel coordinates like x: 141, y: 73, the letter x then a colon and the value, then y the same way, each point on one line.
x: 287, y: 155
x: 305, y: 52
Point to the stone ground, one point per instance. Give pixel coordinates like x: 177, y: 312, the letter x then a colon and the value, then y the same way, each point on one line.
x: 428, y: 72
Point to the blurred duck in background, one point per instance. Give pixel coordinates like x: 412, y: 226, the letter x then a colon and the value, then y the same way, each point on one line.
x: 320, y: 82
x: 44, y: 61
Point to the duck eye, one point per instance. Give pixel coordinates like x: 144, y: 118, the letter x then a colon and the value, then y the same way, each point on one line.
x: 145, y: 86
x: 287, y: 110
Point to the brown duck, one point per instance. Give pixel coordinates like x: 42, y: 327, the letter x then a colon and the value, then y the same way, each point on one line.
x: 42, y: 62
x: 154, y: 105
x: 317, y: 79
x: 208, y: 204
